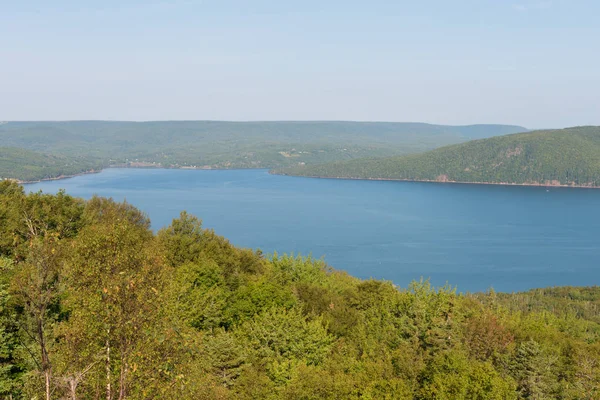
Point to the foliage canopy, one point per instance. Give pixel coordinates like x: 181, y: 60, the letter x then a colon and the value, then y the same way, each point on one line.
x: 93, y: 304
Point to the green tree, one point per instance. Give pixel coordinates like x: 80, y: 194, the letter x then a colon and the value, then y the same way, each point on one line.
x: 114, y: 283
x: 182, y: 241
x: 12, y: 197
x: 10, y: 370
x: 532, y: 369
x: 283, y: 338
x: 36, y: 289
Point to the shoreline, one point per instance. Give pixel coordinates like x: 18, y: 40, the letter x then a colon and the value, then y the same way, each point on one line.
x: 57, y: 178
x: 96, y: 171
x: 549, y: 185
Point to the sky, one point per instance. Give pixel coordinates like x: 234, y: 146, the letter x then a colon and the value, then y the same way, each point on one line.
x: 534, y: 63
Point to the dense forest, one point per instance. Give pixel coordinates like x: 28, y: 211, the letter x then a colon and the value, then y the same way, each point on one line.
x: 550, y: 157
x: 28, y: 165
x: 95, y: 305
x: 215, y: 144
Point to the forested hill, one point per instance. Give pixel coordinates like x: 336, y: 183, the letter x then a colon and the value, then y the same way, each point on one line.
x: 220, y: 144
x: 28, y: 165
x: 546, y: 157
x: 94, y: 304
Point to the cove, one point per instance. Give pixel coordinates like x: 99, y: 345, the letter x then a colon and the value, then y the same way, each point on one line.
x: 474, y: 237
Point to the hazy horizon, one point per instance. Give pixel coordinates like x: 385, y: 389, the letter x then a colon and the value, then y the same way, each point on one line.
x: 265, y: 121
x: 529, y: 63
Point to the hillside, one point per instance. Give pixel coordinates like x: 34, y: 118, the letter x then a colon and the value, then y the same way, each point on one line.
x: 549, y: 157
x: 93, y: 304
x: 217, y: 144
x: 25, y: 165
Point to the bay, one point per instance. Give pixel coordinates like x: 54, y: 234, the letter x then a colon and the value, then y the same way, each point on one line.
x: 474, y: 237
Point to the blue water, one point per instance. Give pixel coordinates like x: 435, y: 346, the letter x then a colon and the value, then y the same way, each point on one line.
x: 471, y: 236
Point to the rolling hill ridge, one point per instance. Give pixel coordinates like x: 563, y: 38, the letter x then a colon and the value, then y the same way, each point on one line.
x: 562, y: 157
x: 25, y: 165
x: 222, y: 144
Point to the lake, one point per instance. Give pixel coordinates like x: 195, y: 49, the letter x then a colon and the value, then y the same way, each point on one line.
x: 473, y: 237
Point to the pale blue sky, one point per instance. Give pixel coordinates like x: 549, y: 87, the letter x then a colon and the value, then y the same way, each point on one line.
x: 528, y: 62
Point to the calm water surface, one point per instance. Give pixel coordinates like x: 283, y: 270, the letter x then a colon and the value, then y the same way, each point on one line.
x: 471, y: 236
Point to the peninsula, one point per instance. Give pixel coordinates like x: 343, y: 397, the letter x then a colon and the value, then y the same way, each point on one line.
x: 561, y: 157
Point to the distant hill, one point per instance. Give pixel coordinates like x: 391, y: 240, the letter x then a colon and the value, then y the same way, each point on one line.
x: 485, y: 131
x: 218, y: 144
x: 547, y: 157
x: 25, y: 165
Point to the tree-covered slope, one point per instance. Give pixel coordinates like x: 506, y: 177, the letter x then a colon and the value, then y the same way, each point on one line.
x: 94, y: 304
x: 219, y: 144
x: 27, y: 165
x: 549, y: 157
